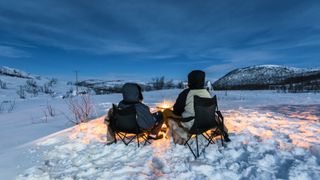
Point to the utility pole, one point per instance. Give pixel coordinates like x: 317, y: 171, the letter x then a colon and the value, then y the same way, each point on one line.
x: 77, y: 90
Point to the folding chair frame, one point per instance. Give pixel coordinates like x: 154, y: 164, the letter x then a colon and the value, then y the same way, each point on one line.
x: 214, y: 132
x: 209, y: 138
x: 123, y: 137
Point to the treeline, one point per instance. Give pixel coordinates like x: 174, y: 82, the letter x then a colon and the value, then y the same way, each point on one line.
x: 157, y: 83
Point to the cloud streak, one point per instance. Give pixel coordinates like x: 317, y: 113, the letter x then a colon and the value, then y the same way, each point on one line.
x: 212, y: 35
x: 11, y: 52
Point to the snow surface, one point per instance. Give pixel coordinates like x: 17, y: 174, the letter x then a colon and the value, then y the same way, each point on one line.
x: 274, y: 136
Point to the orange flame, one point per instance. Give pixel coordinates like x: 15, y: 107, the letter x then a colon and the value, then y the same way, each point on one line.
x: 165, y: 104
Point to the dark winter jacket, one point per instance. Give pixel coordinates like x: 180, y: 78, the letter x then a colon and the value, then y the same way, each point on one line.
x: 132, y: 96
x: 184, y: 104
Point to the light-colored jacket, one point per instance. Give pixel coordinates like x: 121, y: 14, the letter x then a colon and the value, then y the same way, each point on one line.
x: 189, y: 107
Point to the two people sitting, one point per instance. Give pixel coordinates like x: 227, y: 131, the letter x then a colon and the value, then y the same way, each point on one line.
x: 179, y: 119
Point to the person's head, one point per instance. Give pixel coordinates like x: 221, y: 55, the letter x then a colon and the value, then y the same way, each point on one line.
x: 196, y: 79
x: 131, y: 93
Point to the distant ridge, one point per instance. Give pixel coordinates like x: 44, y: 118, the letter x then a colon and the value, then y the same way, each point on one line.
x: 269, y: 77
x: 6, y: 71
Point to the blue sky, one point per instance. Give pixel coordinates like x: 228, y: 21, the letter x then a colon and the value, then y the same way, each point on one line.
x: 141, y: 39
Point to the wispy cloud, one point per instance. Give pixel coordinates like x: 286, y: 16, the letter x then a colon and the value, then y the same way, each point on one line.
x: 11, y: 52
x: 213, y: 35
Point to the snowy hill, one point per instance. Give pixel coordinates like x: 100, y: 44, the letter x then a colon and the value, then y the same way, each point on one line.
x: 15, y: 73
x: 17, y: 84
x: 268, y: 77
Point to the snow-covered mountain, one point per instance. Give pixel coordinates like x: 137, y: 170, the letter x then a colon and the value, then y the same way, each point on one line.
x: 267, y: 76
x: 15, y: 73
x: 18, y: 84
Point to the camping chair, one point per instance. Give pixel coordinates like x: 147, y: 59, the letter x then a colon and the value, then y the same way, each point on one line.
x: 124, y: 122
x: 205, y: 119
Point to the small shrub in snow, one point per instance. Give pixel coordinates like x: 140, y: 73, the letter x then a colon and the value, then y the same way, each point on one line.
x: 7, y: 106
x: 49, y: 111
x: 47, y: 89
x: 52, y: 82
x: 22, y: 92
x: 3, y: 85
x: 32, y: 87
x: 69, y: 94
x: 1, y: 107
x: 69, y: 83
x: 11, y: 106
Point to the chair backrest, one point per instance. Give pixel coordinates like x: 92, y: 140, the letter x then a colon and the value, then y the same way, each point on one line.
x: 204, y: 119
x: 125, y: 120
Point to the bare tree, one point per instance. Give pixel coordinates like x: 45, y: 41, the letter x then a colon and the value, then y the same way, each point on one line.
x: 80, y: 108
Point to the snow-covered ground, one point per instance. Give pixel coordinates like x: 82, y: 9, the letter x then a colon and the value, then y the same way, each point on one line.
x: 274, y: 136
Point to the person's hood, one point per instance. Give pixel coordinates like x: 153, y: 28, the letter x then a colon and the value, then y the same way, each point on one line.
x: 196, y: 79
x: 131, y: 93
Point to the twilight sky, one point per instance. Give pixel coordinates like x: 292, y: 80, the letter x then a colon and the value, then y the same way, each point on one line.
x: 141, y: 39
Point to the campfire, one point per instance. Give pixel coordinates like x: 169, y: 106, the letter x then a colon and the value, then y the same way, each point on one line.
x: 165, y: 104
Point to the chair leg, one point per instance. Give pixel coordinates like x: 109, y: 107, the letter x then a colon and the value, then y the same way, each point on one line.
x: 222, y: 143
x: 123, y: 138
x: 186, y: 143
x: 130, y: 140
x: 138, y: 140
x: 209, y: 139
x: 197, y: 146
x: 145, y: 138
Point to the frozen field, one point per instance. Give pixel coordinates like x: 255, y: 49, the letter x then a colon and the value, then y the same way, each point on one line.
x: 274, y: 136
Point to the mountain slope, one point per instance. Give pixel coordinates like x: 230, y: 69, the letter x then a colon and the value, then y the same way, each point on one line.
x: 268, y: 77
x: 6, y: 71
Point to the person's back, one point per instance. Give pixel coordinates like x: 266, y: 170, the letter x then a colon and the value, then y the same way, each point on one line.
x: 132, y: 96
x: 184, y: 105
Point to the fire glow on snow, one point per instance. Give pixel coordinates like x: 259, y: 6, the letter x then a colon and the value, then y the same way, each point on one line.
x: 95, y: 131
x: 254, y: 135
x: 301, y: 133
x: 269, y: 126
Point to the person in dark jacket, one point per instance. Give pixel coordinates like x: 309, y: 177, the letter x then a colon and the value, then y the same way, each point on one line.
x: 183, y: 107
x: 132, y: 96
